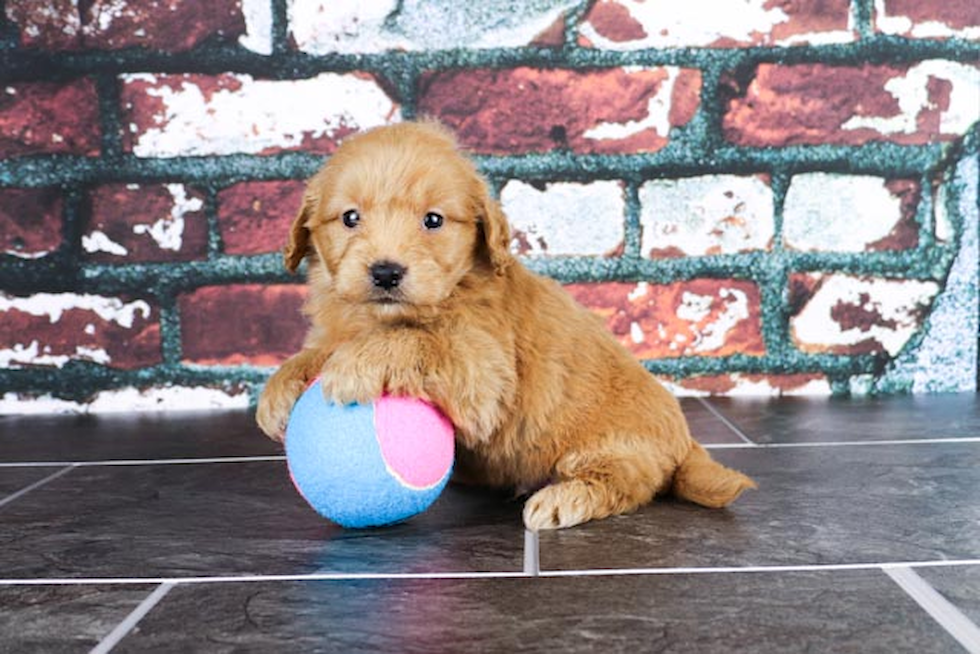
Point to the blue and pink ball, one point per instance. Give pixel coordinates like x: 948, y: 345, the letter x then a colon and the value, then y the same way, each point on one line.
x: 367, y: 465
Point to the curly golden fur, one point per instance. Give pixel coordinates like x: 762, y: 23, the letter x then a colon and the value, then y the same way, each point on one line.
x: 414, y: 291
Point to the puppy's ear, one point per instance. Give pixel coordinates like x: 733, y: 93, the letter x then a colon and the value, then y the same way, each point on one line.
x: 299, y: 235
x: 495, y: 232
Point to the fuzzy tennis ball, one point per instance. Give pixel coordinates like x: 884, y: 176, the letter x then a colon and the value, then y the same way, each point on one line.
x: 367, y: 465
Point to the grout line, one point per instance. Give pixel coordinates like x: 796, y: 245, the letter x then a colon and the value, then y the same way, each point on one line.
x: 958, y: 625
x: 908, y: 441
x: 36, y: 485
x: 259, y: 459
x: 728, y: 423
x: 275, y: 458
x: 131, y: 620
x: 145, y: 462
x: 607, y: 572
x: 532, y: 554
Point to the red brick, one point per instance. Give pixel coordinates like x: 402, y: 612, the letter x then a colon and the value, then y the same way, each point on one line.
x: 254, y: 217
x: 707, y: 317
x: 813, y: 104
x: 30, y: 221
x: 242, y: 324
x: 630, y: 25
x: 161, y: 222
x: 592, y: 111
x: 51, y: 25
x: 52, y: 329
x: 48, y: 117
x: 167, y: 25
x: 921, y: 19
x: 170, y: 25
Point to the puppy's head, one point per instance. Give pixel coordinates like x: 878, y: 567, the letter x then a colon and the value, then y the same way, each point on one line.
x: 397, y: 217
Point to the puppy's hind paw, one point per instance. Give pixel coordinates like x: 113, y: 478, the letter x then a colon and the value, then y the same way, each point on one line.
x: 558, y: 506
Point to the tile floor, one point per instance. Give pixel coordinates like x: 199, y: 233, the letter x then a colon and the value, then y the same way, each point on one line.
x: 182, y: 533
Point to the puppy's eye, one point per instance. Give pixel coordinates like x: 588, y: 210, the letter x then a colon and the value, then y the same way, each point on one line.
x: 351, y: 218
x: 433, y: 220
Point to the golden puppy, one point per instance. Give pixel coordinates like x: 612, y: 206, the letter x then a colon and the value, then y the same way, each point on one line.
x: 414, y: 291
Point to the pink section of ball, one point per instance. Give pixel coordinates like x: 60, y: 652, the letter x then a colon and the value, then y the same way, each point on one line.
x: 416, y: 440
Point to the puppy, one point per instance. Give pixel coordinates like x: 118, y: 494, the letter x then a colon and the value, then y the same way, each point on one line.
x: 413, y: 291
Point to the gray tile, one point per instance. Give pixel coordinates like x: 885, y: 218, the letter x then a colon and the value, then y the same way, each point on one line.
x: 960, y: 585
x: 858, y: 611
x: 861, y: 504
x: 803, y: 420
x: 14, y: 480
x: 233, y: 519
x: 705, y: 426
x: 191, y: 434
x: 156, y: 435
x: 63, y: 618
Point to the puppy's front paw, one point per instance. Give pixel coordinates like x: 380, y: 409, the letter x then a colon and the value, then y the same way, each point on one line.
x: 275, y: 405
x: 345, y: 386
x: 560, y: 505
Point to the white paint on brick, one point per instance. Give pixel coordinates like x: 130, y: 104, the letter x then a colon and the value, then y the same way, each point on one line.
x: 943, y: 227
x: 106, y: 12
x: 677, y: 389
x: 912, y: 95
x: 53, y: 305
x: 694, y: 308
x: 821, y: 38
x: 258, y: 26
x: 840, y: 213
x: 20, y: 356
x: 636, y: 333
x: 745, y: 387
x: 566, y: 218
x: 658, y: 115
x: 166, y: 398
x: 168, y: 231
x: 896, y: 301
x: 903, y: 25
x: 709, y: 335
x: 712, y: 335
x: 358, y: 27
x: 671, y: 24
x: 715, y: 214
x: 641, y: 290
x: 99, y: 241
x: 24, y: 254
x: 346, y: 26
x: 259, y: 115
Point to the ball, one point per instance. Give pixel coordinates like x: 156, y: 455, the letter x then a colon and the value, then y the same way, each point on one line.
x: 368, y: 465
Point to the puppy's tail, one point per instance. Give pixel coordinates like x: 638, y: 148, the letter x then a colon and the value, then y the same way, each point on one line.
x: 702, y: 480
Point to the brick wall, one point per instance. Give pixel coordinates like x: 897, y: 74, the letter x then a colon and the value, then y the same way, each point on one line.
x: 778, y: 198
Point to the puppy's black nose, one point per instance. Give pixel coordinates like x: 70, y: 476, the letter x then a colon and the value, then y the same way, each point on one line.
x: 387, y: 275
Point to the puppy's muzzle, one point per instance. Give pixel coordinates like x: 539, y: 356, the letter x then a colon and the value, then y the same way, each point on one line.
x: 387, y: 275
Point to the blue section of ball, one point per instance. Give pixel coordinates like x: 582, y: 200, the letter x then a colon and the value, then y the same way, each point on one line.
x: 337, y: 465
